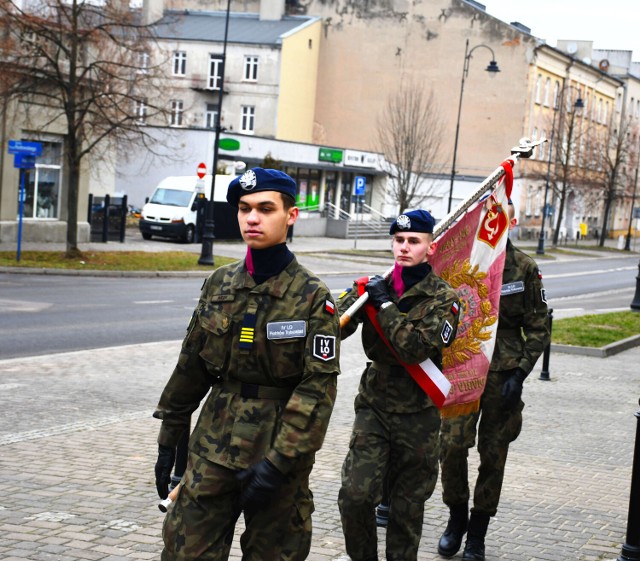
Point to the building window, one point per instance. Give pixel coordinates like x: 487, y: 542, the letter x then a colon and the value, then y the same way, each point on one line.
x: 538, y: 88
x: 605, y: 117
x: 585, y: 111
x: 179, y: 63
x: 529, y: 202
x: 177, y: 109
x: 140, y: 110
x: 556, y: 93
x: 251, y: 68
x: 547, y: 88
x: 248, y: 119
x: 143, y: 63
x: 214, y: 80
x: 210, y: 116
x: 42, y: 184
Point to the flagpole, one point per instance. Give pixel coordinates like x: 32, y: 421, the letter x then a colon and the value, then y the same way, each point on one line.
x: 523, y: 150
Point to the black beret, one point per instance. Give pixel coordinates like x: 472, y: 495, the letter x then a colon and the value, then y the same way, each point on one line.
x: 413, y: 221
x: 259, y: 179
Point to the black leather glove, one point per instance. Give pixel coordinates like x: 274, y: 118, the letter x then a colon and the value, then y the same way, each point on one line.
x: 378, y: 291
x: 164, y: 465
x: 512, y: 388
x: 260, y: 482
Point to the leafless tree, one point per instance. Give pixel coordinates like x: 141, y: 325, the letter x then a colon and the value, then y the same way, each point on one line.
x: 86, y: 69
x: 409, y: 133
x: 611, y: 156
x: 565, y: 173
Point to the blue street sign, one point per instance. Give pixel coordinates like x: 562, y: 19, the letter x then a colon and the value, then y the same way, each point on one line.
x: 24, y: 161
x: 360, y: 185
x: 25, y: 147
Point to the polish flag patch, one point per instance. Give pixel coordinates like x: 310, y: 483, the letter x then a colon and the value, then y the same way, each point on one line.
x: 329, y: 307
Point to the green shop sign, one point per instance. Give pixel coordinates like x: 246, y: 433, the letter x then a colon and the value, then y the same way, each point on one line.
x: 229, y: 144
x: 330, y: 155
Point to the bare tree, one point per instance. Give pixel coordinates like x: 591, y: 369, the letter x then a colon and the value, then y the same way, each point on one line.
x: 84, y: 68
x: 611, y: 154
x: 566, y: 175
x: 409, y: 133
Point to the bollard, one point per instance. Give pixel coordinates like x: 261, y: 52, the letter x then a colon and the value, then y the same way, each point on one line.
x: 631, y: 548
x: 635, y: 303
x: 544, y: 373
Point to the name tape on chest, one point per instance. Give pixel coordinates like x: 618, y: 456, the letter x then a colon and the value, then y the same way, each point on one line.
x: 512, y: 288
x: 292, y: 329
x: 324, y: 347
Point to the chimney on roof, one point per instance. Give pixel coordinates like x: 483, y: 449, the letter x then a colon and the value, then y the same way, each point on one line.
x: 271, y: 9
x: 152, y: 11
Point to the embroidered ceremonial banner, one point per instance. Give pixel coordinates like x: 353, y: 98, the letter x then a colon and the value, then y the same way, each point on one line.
x: 470, y: 257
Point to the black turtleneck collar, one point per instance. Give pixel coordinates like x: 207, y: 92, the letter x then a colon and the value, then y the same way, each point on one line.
x: 268, y: 262
x: 412, y: 275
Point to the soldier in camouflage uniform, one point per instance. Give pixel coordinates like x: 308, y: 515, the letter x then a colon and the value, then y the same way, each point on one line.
x: 523, y: 333
x: 264, y: 343
x: 396, y: 425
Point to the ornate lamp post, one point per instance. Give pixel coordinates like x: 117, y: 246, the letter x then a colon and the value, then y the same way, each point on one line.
x: 206, y: 253
x: 492, y: 69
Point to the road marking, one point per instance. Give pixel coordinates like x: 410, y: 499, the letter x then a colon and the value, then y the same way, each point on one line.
x: 591, y: 294
x: 153, y: 301
x: 590, y: 272
x: 23, y: 306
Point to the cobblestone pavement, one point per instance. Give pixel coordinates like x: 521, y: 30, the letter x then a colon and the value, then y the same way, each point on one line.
x: 77, y: 449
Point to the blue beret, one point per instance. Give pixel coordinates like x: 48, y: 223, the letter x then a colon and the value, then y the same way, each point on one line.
x: 413, y: 221
x: 259, y: 179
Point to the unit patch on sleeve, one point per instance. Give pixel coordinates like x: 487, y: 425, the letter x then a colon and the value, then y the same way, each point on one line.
x: 447, y: 330
x: 324, y: 347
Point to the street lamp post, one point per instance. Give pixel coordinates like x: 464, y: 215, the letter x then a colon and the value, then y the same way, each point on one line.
x: 540, y: 250
x: 492, y: 69
x: 579, y: 104
x: 206, y: 253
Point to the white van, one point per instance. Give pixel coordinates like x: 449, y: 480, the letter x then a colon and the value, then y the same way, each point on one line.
x: 171, y: 210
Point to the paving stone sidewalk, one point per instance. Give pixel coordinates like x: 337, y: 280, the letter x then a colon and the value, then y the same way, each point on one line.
x: 77, y: 449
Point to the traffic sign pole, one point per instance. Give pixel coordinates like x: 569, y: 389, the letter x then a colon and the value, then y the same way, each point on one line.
x: 22, y: 196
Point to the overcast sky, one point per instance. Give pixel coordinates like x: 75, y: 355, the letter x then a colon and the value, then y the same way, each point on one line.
x: 610, y: 24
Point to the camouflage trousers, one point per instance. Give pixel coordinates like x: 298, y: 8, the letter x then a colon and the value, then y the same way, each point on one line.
x: 403, y: 447
x: 497, y: 428
x: 201, y: 523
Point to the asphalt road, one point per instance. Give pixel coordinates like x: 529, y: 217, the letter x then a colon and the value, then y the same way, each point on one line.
x: 41, y: 314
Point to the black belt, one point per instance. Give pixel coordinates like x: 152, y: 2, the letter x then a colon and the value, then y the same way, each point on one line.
x: 256, y: 391
x: 394, y: 370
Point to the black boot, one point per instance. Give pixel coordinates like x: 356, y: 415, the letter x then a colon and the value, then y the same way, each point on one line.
x: 474, y: 548
x: 451, y: 540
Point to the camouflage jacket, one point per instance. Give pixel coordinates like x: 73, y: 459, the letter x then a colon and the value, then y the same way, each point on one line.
x: 523, y: 325
x: 429, y: 325
x: 271, y: 353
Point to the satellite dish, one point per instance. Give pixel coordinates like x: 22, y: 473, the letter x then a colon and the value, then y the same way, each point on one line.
x: 603, y: 65
x: 586, y: 60
x: 572, y: 48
